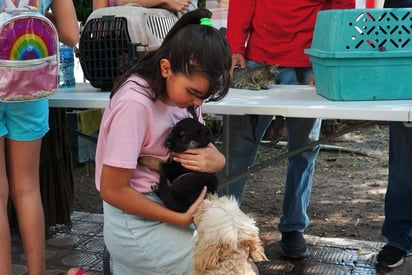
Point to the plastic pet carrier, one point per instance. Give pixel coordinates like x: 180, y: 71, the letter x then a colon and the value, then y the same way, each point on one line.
x: 115, y: 37
x: 363, y: 54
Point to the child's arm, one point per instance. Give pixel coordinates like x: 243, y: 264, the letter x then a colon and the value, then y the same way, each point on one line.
x: 115, y: 190
x: 208, y: 160
x: 172, y: 5
x: 64, y: 18
x: 98, y: 4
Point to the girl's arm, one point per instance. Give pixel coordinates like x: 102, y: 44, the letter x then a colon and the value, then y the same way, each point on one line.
x: 115, y: 190
x: 64, y: 18
x: 98, y: 4
x: 208, y: 160
x: 172, y: 5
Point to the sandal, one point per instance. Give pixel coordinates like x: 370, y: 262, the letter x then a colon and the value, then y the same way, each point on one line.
x: 76, y: 271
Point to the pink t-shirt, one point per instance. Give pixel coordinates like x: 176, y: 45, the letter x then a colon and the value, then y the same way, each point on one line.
x: 134, y: 125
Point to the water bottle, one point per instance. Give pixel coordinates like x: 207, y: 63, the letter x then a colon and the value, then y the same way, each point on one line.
x: 66, y: 71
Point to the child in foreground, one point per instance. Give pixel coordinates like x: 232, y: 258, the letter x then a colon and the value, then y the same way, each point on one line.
x: 165, y: 86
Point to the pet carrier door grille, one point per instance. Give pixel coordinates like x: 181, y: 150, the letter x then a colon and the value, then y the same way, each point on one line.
x: 105, y: 50
x: 109, y: 44
x: 385, y: 30
x: 160, y: 26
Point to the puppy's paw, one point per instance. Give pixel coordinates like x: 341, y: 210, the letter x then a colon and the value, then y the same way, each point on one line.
x: 154, y: 187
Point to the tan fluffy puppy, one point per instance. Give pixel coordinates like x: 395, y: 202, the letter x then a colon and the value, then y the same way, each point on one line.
x: 227, y: 240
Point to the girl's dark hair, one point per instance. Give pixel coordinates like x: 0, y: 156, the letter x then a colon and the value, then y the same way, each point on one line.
x: 190, y: 48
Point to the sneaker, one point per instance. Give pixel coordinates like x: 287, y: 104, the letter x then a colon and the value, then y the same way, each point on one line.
x: 390, y: 257
x: 293, y: 245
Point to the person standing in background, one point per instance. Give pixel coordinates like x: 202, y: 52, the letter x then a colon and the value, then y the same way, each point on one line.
x: 178, y: 6
x: 22, y: 127
x: 277, y: 32
x: 397, y: 226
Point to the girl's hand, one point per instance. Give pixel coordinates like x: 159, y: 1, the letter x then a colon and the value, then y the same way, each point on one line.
x: 193, y: 208
x: 207, y: 160
x: 176, y: 5
x: 312, y: 81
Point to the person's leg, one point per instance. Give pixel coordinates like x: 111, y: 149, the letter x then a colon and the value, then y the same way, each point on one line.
x: 245, y: 135
x: 5, y: 242
x: 23, y: 171
x: 299, y: 173
x: 301, y: 132
x: 397, y: 226
x: 27, y: 123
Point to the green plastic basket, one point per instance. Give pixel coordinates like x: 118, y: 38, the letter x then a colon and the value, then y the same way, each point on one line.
x: 363, y: 54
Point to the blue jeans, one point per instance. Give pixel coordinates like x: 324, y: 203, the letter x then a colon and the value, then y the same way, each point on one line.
x: 245, y: 134
x: 397, y: 226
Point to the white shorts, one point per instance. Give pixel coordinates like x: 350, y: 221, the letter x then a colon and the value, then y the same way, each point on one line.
x: 140, y: 246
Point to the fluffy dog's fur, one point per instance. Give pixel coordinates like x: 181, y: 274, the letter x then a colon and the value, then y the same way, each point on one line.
x: 179, y: 187
x: 227, y: 240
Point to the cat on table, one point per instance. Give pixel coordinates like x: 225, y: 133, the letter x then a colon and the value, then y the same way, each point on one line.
x: 257, y: 78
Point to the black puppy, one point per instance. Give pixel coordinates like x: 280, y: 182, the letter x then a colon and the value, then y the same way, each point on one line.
x: 179, y: 187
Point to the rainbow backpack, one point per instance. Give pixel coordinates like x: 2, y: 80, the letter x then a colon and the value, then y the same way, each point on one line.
x: 29, y: 53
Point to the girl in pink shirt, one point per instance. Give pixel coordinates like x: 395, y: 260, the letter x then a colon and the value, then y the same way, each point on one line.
x: 191, y: 65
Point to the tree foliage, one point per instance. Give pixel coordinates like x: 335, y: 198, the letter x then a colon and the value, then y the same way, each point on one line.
x: 83, y: 9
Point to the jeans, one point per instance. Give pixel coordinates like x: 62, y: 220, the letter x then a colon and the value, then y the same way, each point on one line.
x: 397, y: 226
x: 247, y: 131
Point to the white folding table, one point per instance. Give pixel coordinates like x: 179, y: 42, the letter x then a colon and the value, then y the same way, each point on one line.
x: 283, y: 100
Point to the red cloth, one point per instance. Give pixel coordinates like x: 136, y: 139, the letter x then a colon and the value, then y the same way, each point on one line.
x: 279, y: 30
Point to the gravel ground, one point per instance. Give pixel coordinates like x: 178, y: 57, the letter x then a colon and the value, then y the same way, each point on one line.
x: 347, y: 194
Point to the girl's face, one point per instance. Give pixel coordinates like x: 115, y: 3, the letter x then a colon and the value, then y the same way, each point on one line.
x: 182, y: 90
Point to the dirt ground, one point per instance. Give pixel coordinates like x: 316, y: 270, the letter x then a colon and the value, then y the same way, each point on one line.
x: 347, y: 194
